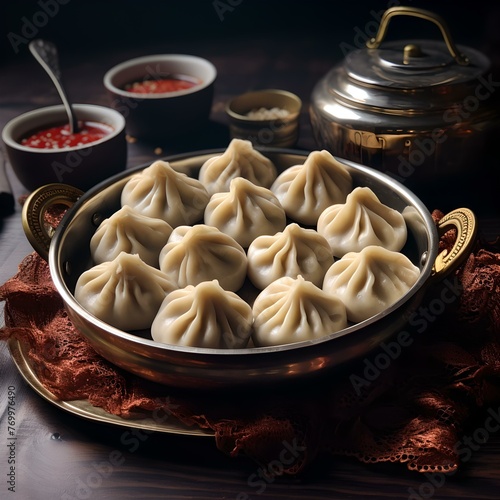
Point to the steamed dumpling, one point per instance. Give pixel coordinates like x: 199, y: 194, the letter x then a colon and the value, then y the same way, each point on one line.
x: 240, y: 159
x: 245, y: 212
x: 125, y: 292
x: 295, y: 251
x: 161, y: 192
x: 293, y: 310
x: 370, y: 281
x: 204, y: 315
x: 306, y: 190
x: 361, y: 221
x: 203, y: 253
x: 130, y: 232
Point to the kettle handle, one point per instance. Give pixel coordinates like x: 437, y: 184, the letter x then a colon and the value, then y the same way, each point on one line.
x: 374, y: 43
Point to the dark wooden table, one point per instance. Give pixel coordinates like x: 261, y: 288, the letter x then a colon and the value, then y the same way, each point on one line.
x: 61, y: 456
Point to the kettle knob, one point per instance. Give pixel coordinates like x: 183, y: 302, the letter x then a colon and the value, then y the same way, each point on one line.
x: 411, y: 50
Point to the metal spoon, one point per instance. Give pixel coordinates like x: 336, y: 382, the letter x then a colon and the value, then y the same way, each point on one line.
x: 46, y: 54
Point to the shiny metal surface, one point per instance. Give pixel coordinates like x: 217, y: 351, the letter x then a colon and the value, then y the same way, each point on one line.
x: 38, y: 232
x: 386, y: 67
x: 83, y: 408
x: 69, y: 256
x: 463, y: 221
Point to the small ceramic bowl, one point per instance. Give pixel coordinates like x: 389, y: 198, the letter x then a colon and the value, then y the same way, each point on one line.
x: 167, y: 114
x: 265, y: 117
x: 81, y: 166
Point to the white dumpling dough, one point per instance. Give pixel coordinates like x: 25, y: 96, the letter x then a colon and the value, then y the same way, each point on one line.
x: 293, y: 310
x: 161, y: 192
x: 306, y: 190
x: 240, y: 159
x: 245, y: 212
x: 130, y: 232
x: 125, y: 292
x: 361, y: 221
x: 203, y: 253
x: 295, y: 251
x: 370, y: 281
x: 204, y: 315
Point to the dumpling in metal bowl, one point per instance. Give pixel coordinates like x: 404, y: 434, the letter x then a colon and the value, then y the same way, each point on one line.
x: 306, y: 190
x: 293, y: 310
x: 203, y: 253
x: 130, y: 232
x: 240, y: 159
x: 370, y: 281
x: 204, y: 315
x: 245, y: 212
x: 361, y: 221
x: 161, y: 192
x: 292, y: 252
x: 125, y: 293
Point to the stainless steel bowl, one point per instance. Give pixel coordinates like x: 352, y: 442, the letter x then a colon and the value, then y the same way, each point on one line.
x: 69, y: 255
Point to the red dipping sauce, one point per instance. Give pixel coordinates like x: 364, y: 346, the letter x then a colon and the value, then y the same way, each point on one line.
x: 58, y: 137
x: 161, y: 86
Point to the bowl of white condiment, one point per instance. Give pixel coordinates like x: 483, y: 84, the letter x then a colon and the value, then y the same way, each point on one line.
x: 265, y: 117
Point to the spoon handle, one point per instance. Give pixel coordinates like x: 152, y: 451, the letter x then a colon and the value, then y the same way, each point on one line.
x: 46, y: 54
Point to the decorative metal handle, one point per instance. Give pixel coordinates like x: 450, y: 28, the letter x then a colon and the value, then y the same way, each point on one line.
x: 464, y: 221
x: 38, y: 232
x: 374, y: 43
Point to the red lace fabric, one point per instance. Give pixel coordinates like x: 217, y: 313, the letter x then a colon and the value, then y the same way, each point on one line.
x: 413, y: 409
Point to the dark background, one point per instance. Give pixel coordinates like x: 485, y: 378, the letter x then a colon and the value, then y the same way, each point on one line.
x: 90, y: 26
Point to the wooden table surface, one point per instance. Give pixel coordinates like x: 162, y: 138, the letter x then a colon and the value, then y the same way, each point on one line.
x: 62, y: 456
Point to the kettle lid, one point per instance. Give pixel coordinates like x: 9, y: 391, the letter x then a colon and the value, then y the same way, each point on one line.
x: 408, y: 64
x: 407, y: 75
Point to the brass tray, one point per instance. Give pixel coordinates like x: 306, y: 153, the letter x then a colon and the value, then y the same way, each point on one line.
x: 83, y: 408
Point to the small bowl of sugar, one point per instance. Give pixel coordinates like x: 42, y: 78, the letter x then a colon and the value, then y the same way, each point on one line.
x: 265, y: 117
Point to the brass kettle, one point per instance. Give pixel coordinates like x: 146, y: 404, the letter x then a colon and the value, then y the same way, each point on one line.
x: 425, y: 112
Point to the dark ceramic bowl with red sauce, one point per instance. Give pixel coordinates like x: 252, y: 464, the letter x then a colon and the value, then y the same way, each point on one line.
x: 162, y: 96
x: 42, y: 151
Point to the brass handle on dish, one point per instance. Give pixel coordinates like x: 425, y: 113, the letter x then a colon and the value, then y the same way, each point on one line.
x: 37, y: 230
x: 374, y: 43
x: 464, y: 221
